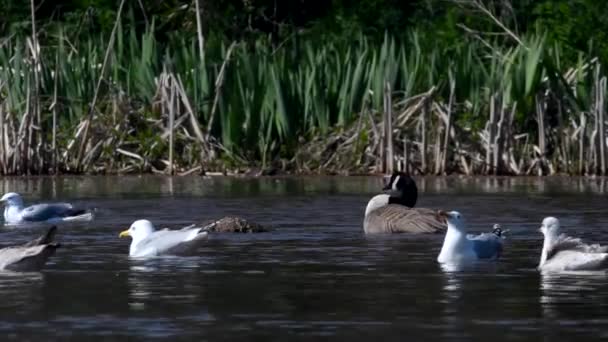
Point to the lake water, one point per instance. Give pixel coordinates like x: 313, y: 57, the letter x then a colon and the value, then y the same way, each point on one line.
x: 316, y: 276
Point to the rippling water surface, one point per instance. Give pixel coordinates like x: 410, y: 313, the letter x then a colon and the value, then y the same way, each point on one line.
x: 315, y: 276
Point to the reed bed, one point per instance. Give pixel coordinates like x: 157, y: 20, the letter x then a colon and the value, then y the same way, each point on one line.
x: 126, y: 103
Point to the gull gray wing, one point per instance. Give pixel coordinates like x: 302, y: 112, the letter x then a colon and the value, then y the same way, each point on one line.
x: 576, y: 260
x: 486, y: 245
x: 44, y: 211
x: 173, y: 241
x: 566, y: 243
x: 395, y: 218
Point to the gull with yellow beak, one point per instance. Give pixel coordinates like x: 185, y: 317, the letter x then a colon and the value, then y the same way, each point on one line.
x: 147, y: 242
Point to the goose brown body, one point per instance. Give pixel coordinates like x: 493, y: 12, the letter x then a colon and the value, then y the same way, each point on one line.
x: 395, y: 218
x: 394, y: 212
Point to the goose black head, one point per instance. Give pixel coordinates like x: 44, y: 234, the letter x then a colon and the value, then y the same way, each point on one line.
x: 402, y: 190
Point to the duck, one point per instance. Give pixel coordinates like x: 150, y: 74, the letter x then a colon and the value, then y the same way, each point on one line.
x: 29, y: 257
x: 16, y: 213
x: 148, y: 242
x: 394, y: 212
x: 459, y: 247
x: 564, y: 253
x: 231, y: 224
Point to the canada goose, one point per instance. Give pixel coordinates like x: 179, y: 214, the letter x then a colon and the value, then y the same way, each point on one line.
x: 394, y: 212
x: 31, y: 256
x: 460, y: 247
x: 15, y: 213
x: 564, y: 253
x: 230, y: 224
x: 146, y: 241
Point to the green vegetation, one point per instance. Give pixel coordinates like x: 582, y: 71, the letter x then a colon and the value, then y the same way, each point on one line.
x: 519, y: 90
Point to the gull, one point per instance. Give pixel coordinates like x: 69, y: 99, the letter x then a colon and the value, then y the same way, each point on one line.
x: 460, y: 247
x: 16, y: 213
x: 146, y: 241
x: 564, y: 253
x: 31, y: 256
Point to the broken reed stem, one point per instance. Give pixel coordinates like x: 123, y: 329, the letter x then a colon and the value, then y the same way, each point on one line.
x: 106, y: 59
x: 219, y: 81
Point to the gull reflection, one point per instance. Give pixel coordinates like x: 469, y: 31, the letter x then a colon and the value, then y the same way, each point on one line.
x: 453, y: 279
x: 564, y: 287
x: 151, y: 279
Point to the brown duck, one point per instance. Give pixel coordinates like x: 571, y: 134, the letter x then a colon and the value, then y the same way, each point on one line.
x: 394, y: 212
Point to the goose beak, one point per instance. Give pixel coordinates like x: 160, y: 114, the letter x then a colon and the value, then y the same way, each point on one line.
x: 443, y: 215
x: 124, y: 233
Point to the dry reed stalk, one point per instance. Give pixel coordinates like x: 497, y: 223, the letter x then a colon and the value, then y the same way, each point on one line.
x: 199, y: 31
x: 106, y: 59
x: 581, y: 143
x: 601, y: 112
x: 388, y: 128
x: 437, y: 145
x: 490, y: 134
x: 3, y: 145
x: 498, y: 141
x: 406, y: 158
x: 448, y: 125
x: 54, y: 109
x: 423, y: 143
x: 34, y: 48
x: 540, y: 118
x: 171, y: 119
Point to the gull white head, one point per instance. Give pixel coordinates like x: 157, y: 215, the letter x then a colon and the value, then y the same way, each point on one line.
x: 550, y: 227
x: 454, y: 219
x: 11, y: 199
x: 138, y: 231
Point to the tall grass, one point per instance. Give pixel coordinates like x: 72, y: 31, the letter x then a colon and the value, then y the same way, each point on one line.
x: 309, y: 105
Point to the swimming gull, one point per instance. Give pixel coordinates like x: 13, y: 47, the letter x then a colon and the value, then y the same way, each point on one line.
x: 460, y: 247
x: 149, y: 242
x: 563, y: 253
x: 31, y: 256
x: 16, y: 213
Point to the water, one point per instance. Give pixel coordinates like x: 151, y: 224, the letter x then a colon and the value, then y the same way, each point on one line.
x: 316, y: 276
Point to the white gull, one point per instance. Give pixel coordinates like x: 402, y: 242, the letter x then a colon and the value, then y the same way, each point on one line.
x: 460, y: 247
x: 146, y: 241
x: 16, y: 213
x: 563, y: 253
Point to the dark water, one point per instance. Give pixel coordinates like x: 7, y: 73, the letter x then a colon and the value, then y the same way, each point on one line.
x: 316, y: 276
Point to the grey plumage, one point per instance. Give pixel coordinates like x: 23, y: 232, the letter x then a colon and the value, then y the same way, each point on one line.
x: 43, y: 212
x: 395, y: 218
x: 566, y: 243
x: 31, y: 256
x: 487, y: 245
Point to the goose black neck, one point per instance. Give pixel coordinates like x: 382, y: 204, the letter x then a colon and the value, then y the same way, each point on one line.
x: 403, y: 190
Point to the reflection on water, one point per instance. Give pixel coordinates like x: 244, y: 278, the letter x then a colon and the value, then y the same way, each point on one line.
x: 316, y: 275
